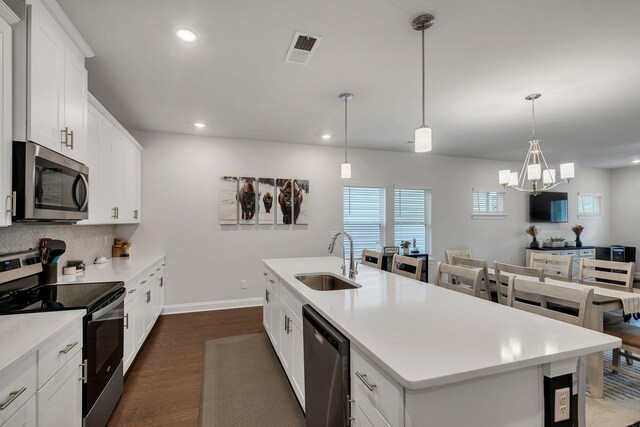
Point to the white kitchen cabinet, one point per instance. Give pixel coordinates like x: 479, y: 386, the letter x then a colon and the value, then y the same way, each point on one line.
x: 56, y: 108
x: 25, y: 416
x: 130, y: 322
x: 115, y: 170
x: 297, y: 361
x: 266, y: 309
x: 6, y: 134
x: 59, y: 402
x: 285, y: 350
x: 364, y: 413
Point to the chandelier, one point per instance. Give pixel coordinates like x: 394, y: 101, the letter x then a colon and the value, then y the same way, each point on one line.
x: 535, y: 175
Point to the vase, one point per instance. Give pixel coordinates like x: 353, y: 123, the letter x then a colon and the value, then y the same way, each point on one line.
x: 405, y: 251
x: 534, y: 243
x: 578, y: 242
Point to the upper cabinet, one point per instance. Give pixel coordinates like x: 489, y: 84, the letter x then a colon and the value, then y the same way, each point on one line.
x: 50, y: 101
x: 7, y: 18
x: 115, y: 165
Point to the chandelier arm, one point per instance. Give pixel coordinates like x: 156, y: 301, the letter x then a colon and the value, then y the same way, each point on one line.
x: 522, y: 178
x: 546, y: 166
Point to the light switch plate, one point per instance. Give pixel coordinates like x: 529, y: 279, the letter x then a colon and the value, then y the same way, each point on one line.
x: 562, y: 404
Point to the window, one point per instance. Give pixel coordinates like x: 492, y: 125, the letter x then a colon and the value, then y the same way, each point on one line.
x: 364, y: 217
x: 488, y: 204
x: 412, y: 211
x: 589, y: 205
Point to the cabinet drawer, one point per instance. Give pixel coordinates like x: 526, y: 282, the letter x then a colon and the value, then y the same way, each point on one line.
x: 363, y: 412
x: 59, y: 402
x: 269, y: 277
x: 587, y: 253
x: 25, y: 416
x: 132, y: 289
x: 384, y: 393
x: 58, y: 351
x: 16, y: 386
x: 294, y: 303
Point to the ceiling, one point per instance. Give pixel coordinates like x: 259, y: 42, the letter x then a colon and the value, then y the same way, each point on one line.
x: 483, y: 58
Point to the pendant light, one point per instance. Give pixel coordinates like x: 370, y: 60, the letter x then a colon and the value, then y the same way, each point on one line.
x: 535, y: 166
x: 422, y: 142
x: 345, y: 171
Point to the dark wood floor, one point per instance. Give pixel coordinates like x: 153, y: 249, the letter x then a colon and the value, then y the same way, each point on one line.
x: 163, y: 385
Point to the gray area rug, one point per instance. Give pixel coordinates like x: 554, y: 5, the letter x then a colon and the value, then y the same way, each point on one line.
x: 244, y: 385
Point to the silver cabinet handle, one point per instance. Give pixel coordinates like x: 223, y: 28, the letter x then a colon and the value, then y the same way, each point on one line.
x: 271, y: 281
x: 285, y: 322
x: 159, y: 268
x: 349, y: 415
x: 266, y: 296
x: 135, y: 214
x: 12, y: 396
x: 71, y: 135
x: 132, y: 291
x: 85, y: 371
x: 14, y: 203
x: 143, y: 282
x: 264, y: 273
x: 126, y: 321
x: 113, y: 215
x: 161, y: 281
x: 363, y: 378
x: 65, y: 138
x: 68, y: 348
x: 117, y: 212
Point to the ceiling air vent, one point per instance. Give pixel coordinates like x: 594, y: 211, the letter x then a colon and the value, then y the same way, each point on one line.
x: 302, y: 48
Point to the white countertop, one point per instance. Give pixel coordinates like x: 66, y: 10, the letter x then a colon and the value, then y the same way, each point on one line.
x: 114, y: 270
x: 23, y: 333
x: 425, y: 336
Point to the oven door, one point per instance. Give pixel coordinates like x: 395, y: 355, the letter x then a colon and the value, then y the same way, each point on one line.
x: 53, y: 187
x: 104, y: 342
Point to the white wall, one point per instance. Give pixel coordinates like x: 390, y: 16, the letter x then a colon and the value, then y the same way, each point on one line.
x: 206, y: 261
x: 625, y: 203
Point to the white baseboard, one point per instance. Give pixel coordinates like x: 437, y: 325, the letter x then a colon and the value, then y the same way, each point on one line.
x: 211, y: 305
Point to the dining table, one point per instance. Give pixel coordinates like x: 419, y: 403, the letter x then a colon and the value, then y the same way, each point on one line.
x: 604, y: 300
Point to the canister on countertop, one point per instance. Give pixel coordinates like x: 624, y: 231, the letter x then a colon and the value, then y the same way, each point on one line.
x: 126, y: 250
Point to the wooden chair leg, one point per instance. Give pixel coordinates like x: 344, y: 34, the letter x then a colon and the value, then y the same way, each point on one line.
x: 615, y: 360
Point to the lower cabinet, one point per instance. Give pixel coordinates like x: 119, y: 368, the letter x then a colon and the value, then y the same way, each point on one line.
x: 143, y: 306
x: 363, y: 413
x: 25, y: 416
x: 59, y: 402
x: 284, y: 328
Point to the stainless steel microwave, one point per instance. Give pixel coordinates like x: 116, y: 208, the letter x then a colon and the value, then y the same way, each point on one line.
x: 47, y: 186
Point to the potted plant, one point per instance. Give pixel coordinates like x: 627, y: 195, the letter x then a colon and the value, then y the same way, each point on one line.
x: 556, y: 242
x: 533, y: 231
x: 578, y: 230
x: 405, y: 246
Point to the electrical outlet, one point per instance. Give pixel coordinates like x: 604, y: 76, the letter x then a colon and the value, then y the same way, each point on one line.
x: 561, y: 409
x: 244, y: 284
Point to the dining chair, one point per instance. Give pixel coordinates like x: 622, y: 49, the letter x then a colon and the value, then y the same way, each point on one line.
x: 400, y: 263
x: 607, y: 274
x: 466, y: 280
x: 371, y: 258
x: 502, y: 279
x: 475, y: 263
x: 630, y: 350
x: 456, y: 252
x: 569, y: 297
x: 559, y: 267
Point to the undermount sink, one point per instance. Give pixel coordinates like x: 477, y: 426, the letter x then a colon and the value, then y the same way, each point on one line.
x: 325, y: 282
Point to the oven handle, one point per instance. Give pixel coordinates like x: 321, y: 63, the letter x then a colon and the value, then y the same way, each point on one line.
x: 97, y: 314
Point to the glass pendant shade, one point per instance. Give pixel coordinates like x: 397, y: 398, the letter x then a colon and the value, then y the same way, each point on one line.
x: 423, y: 139
x: 345, y: 171
x: 533, y: 172
x: 567, y: 171
x: 513, y: 179
x: 549, y: 176
x: 503, y: 176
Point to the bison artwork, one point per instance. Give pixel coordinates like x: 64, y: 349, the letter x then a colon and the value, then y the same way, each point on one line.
x: 290, y: 200
x: 268, y: 202
x: 247, y: 200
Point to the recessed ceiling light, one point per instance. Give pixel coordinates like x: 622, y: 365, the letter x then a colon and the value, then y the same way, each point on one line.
x: 187, y: 35
x: 199, y: 124
x: 326, y: 136
x: 635, y: 161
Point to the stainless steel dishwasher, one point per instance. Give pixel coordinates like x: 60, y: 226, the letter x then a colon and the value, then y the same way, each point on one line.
x: 326, y: 372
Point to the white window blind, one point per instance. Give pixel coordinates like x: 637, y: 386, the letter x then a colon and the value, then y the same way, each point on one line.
x: 589, y: 205
x: 412, y: 212
x: 364, y: 217
x: 488, y: 203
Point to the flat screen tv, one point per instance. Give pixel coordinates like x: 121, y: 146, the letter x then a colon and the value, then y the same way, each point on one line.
x: 549, y: 207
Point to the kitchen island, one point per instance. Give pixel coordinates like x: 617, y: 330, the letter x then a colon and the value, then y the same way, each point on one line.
x: 431, y: 351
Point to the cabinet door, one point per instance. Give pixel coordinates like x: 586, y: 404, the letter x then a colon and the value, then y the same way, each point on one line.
x: 266, y: 308
x: 150, y: 311
x: 136, y: 184
x: 130, y: 313
x: 75, y: 105
x: 93, y: 162
x: 117, y: 176
x: 364, y: 413
x: 59, y: 402
x: 5, y: 123
x: 285, y: 350
x: 46, y: 79
x: 100, y: 202
x: 297, y: 368
x: 160, y: 292
x: 131, y: 209
x: 138, y: 317
x: 25, y: 416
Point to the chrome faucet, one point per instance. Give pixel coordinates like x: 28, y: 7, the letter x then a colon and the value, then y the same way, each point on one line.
x: 353, y: 266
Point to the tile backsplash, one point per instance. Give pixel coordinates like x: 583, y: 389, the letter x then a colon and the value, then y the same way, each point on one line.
x: 85, y: 242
